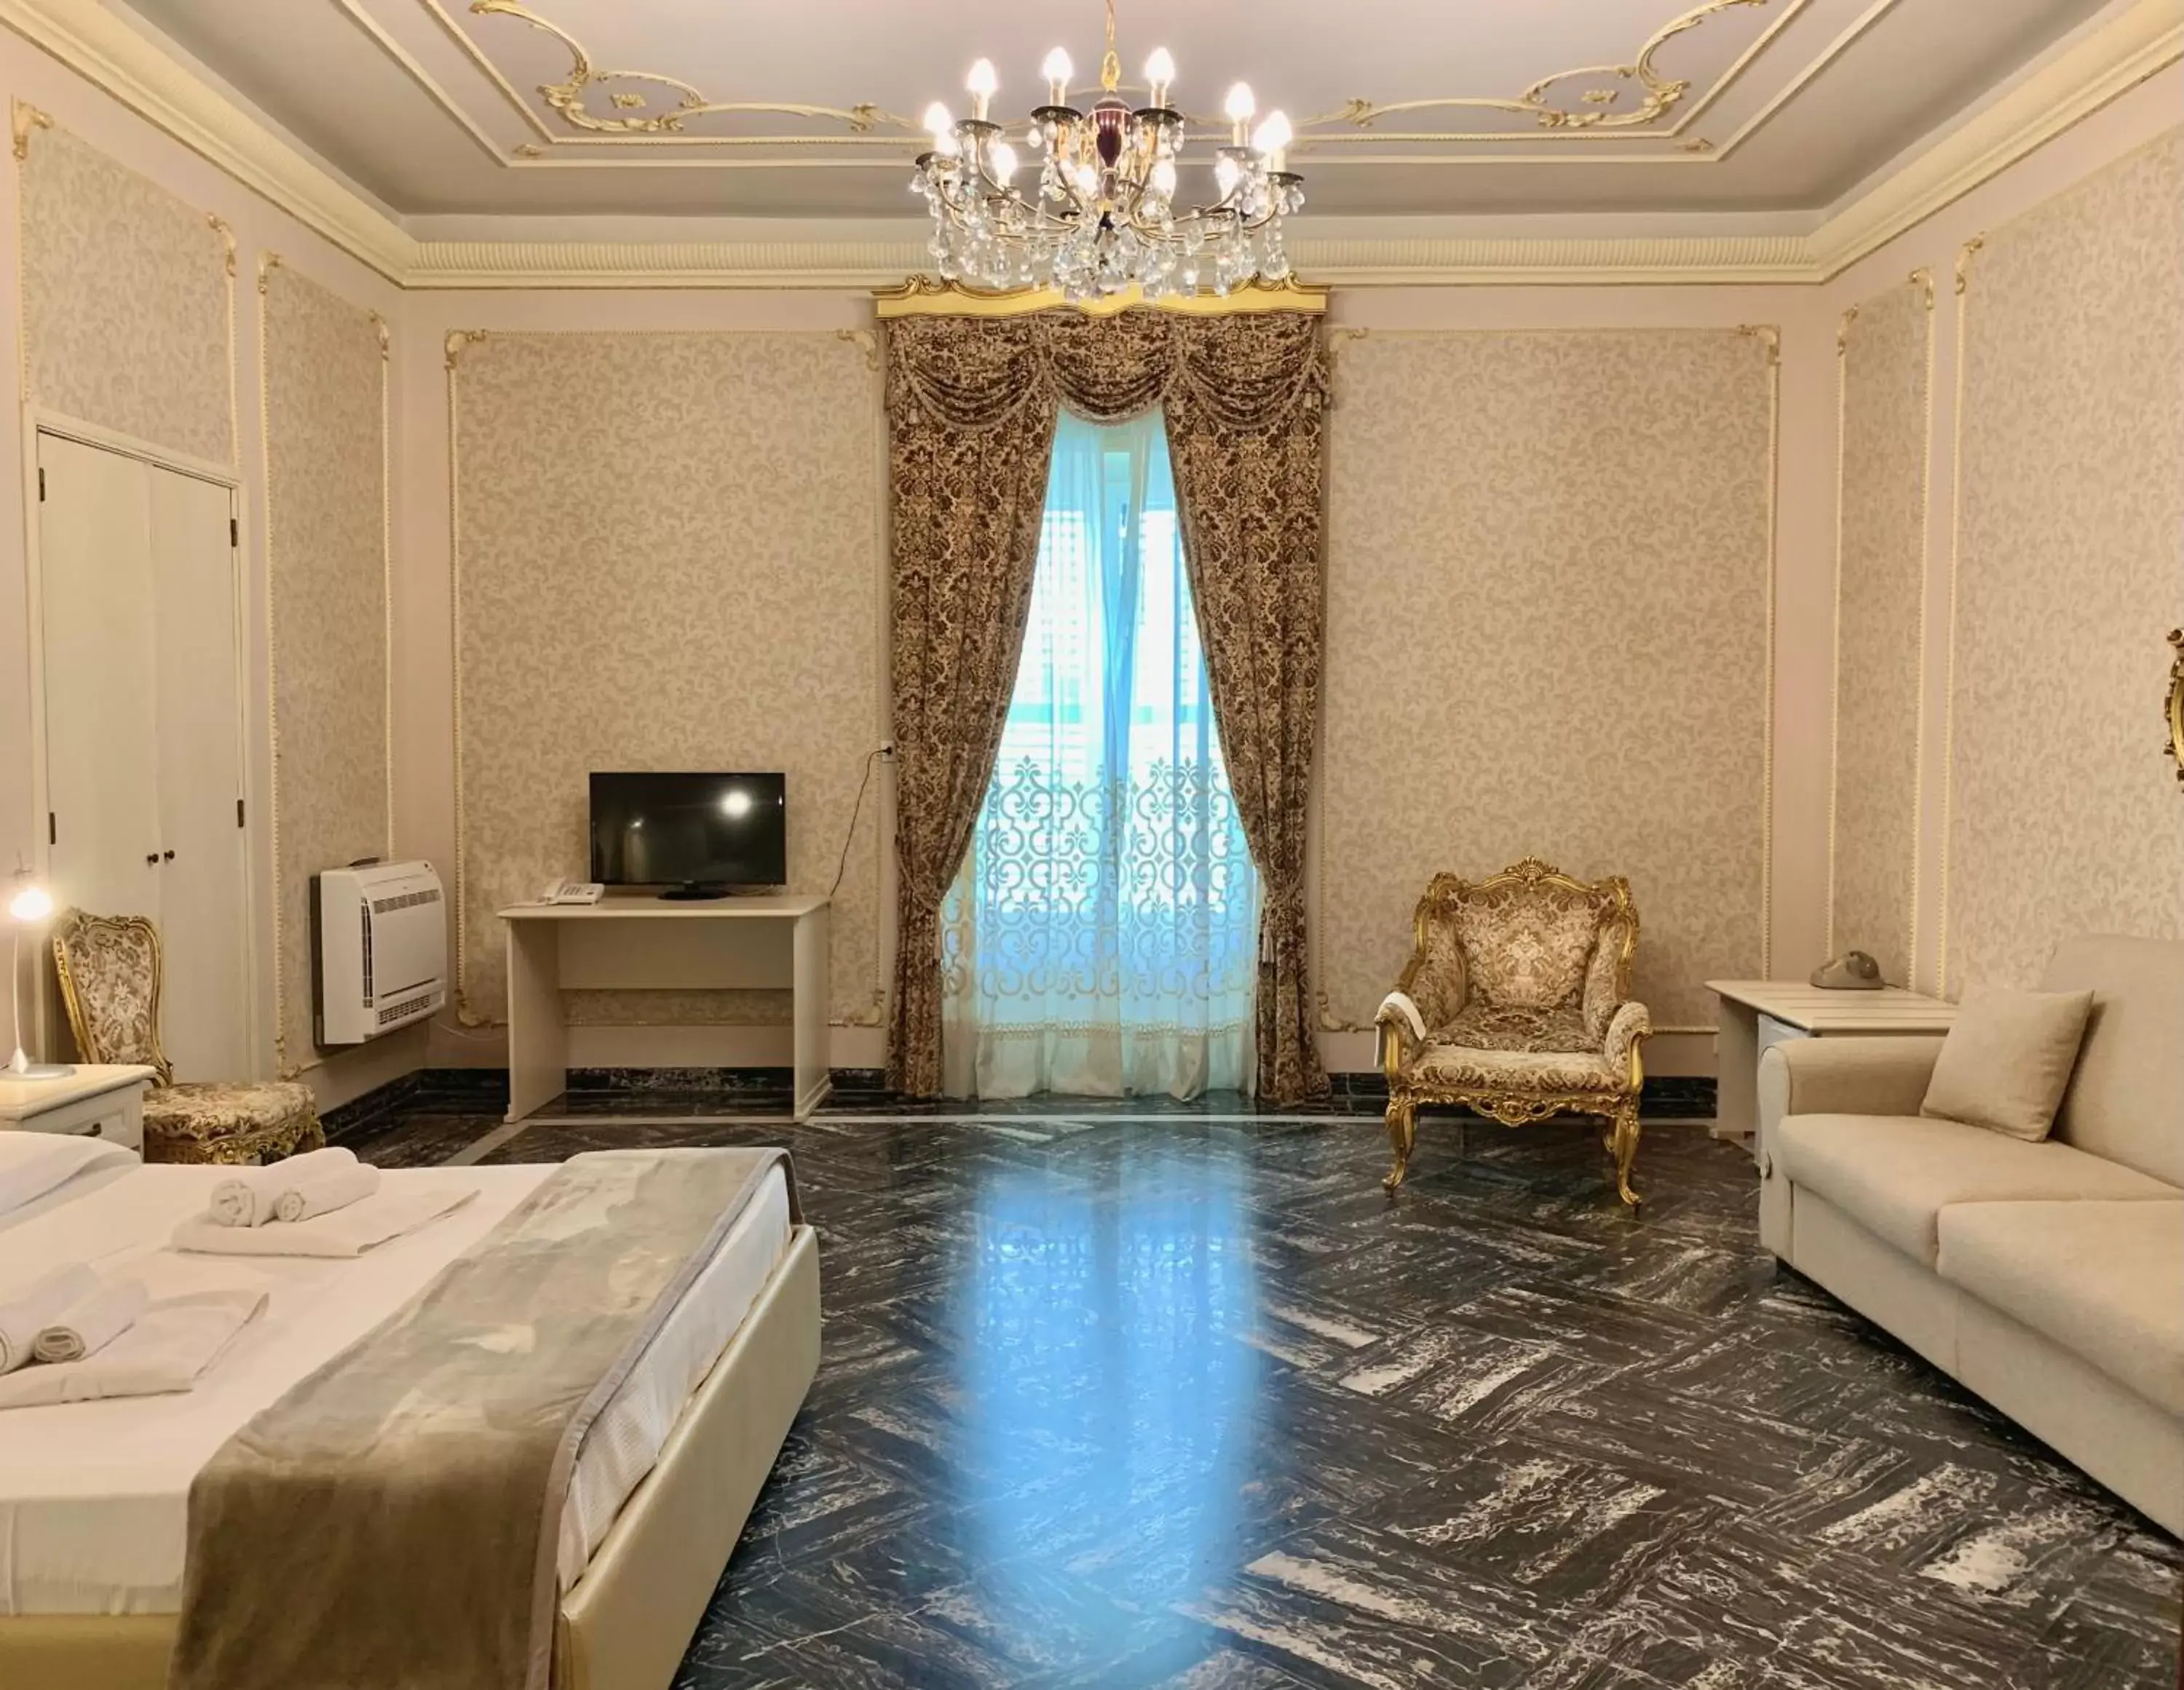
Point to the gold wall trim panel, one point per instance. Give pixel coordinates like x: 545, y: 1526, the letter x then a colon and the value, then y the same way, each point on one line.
x: 1881, y: 315
x: 502, y: 398
x: 310, y: 782
x: 95, y: 44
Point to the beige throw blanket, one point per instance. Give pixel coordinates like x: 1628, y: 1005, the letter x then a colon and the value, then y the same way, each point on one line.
x: 391, y: 1521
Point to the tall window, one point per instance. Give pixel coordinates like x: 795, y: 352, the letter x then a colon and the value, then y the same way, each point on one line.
x: 1101, y: 938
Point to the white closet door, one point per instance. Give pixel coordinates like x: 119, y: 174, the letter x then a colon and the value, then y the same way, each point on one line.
x: 205, y: 1018
x: 101, y: 744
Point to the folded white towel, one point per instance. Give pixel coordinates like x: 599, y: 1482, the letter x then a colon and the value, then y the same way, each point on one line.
x: 92, y: 1324
x: 25, y: 1314
x: 363, y: 1225
x: 251, y: 1196
x: 244, y: 1199
x: 322, y: 1190
x: 172, y: 1343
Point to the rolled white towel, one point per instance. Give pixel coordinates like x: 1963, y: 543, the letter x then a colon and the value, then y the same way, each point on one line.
x: 250, y: 1196
x: 93, y: 1323
x: 321, y: 1190
x: 245, y: 1198
x: 25, y: 1314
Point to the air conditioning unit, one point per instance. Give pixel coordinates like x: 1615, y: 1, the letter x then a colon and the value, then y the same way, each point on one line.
x: 379, y: 941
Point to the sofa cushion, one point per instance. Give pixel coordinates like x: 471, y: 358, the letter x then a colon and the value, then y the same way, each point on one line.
x: 2103, y: 1279
x: 1520, y: 1070
x: 2007, y: 1060
x: 2126, y: 1098
x: 1482, y: 1025
x: 1893, y: 1174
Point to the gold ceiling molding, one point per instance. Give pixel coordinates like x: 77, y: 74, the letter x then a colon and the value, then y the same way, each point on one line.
x: 569, y: 97
x: 925, y: 296
x: 27, y: 117
x: 1597, y: 110
x: 92, y: 42
x: 1588, y: 102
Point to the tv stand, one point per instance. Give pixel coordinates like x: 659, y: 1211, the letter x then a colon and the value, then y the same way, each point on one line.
x: 694, y: 892
x: 665, y: 943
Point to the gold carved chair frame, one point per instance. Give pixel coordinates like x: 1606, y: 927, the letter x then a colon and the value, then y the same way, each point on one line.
x: 1512, y: 1104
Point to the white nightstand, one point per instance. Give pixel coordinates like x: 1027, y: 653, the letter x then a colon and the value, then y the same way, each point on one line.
x: 96, y: 1101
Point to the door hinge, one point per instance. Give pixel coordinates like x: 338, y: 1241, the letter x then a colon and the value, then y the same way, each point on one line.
x: 238, y: 812
x: 234, y: 530
x: 42, y: 484
x: 52, y: 829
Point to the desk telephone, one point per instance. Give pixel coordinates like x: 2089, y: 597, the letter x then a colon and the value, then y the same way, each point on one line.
x: 572, y: 891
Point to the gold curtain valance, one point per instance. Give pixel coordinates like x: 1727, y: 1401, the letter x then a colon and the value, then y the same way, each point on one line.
x: 923, y: 296
x: 1249, y: 372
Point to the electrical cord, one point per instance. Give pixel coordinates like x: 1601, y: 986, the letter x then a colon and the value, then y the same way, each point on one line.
x: 850, y: 839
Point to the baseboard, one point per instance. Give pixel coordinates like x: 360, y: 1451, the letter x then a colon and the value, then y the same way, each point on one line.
x: 1673, y: 1096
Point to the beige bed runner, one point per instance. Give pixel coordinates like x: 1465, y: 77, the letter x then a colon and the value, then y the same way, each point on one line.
x: 390, y: 1520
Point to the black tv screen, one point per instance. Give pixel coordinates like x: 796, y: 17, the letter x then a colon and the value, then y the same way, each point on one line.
x: 707, y: 831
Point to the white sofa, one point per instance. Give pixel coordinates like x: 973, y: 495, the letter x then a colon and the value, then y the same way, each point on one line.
x: 2048, y: 1277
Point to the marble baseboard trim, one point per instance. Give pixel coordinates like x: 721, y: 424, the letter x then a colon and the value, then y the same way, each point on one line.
x: 1684, y: 1097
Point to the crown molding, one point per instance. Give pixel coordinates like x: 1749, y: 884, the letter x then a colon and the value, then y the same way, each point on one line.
x: 2107, y: 61
x: 108, y: 54
x: 2106, y: 64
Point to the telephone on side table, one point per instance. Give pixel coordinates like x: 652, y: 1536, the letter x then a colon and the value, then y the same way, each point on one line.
x: 572, y: 891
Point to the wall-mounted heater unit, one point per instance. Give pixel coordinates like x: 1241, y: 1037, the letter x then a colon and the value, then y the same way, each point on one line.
x: 379, y: 939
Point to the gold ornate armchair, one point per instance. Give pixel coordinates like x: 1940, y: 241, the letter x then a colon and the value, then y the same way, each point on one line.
x: 110, y: 972
x: 1516, y: 1003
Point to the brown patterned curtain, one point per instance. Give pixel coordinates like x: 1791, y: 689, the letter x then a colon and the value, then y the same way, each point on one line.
x: 970, y: 409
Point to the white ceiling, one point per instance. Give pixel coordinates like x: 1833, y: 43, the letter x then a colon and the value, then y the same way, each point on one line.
x: 561, y: 107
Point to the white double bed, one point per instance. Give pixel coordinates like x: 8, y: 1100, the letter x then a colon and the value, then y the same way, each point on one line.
x: 94, y: 1495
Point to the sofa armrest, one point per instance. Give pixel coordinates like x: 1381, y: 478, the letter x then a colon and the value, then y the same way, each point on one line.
x: 1880, y: 1075
x: 1631, y: 1023
x: 1402, y: 1029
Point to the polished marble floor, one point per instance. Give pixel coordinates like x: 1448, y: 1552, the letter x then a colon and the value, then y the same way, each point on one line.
x: 1127, y: 1398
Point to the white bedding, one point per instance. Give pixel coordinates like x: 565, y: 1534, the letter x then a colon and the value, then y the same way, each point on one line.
x: 93, y: 1496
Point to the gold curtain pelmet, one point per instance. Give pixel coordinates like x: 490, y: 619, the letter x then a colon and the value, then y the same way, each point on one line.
x: 923, y: 296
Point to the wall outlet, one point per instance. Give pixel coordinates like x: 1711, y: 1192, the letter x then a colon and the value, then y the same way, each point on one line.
x: 887, y: 749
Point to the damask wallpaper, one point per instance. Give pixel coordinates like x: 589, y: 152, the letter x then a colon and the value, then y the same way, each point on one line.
x: 127, y: 302
x: 2063, y: 816
x: 326, y: 510
x: 1886, y: 372
x: 668, y: 556
x: 1548, y: 572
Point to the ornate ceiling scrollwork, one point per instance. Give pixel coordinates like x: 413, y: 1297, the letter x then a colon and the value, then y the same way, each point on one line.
x: 1632, y: 99
x: 572, y: 96
x: 1600, y: 90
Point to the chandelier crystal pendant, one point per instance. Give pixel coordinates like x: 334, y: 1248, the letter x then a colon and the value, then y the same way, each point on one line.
x: 1104, y: 217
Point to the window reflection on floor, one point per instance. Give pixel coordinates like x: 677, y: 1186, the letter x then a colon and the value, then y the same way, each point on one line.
x: 1112, y: 1387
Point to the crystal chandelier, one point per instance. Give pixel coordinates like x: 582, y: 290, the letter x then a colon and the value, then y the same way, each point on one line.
x: 1104, y: 216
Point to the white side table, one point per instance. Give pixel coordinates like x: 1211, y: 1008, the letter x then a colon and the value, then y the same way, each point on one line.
x: 98, y: 1101
x: 1758, y: 1013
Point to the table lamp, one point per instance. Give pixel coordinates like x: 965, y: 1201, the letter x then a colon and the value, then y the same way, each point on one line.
x: 27, y: 903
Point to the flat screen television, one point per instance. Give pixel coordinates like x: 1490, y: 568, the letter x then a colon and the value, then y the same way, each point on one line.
x: 699, y: 835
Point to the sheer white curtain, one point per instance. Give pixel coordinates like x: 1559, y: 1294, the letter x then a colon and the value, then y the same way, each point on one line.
x: 1100, y: 939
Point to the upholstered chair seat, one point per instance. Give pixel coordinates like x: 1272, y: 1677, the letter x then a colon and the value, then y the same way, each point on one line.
x: 1516, y: 1003
x: 109, y: 970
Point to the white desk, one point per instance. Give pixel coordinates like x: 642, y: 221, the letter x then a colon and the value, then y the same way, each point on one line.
x: 98, y: 1101
x: 643, y: 943
x: 1800, y: 1010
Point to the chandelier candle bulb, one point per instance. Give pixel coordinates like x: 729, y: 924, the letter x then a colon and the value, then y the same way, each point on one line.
x: 1239, y: 106
x: 1159, y: 74
x: 1272, y: 139
x: 982, y: 83
x: 1057, y: 70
